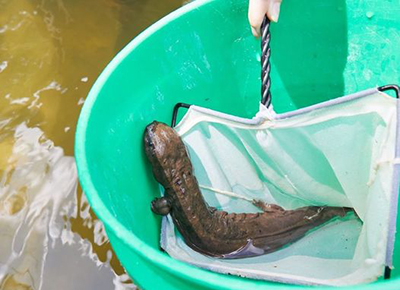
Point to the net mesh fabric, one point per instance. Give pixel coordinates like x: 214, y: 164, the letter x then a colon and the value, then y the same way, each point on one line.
x: 341, y: 153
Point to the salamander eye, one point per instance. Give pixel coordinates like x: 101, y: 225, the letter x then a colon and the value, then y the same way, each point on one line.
x: 161, y: 206
x: 150, y: 142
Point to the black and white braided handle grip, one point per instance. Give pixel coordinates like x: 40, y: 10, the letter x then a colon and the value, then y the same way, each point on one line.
x: 265, y: 64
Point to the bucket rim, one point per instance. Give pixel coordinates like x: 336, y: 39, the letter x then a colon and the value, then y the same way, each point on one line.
x: 133, y: 242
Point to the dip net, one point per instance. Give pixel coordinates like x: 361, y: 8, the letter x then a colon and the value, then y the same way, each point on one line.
x: 343, y: 153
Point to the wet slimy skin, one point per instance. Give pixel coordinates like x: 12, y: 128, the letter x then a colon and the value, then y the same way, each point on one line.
x: 213, y: 232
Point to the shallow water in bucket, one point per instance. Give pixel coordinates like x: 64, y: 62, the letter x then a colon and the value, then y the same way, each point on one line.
x: 205, y: 54
x: 51, y: 51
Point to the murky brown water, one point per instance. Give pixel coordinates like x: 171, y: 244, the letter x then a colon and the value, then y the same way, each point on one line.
x: 51, y: 51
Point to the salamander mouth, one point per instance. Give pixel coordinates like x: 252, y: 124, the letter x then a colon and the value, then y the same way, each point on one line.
x: 152, y: 145
x: 148, y: 141
x: 148, y: 138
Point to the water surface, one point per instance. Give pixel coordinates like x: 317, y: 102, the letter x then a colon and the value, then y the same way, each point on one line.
x: 51, y: 52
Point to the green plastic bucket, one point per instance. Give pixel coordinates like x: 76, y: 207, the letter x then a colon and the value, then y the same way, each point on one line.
x: 204, y: 54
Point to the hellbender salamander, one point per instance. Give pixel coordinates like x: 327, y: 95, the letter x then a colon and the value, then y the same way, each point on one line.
x: 214, y: 232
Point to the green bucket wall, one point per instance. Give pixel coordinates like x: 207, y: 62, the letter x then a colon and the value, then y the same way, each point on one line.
x: 204, y: 54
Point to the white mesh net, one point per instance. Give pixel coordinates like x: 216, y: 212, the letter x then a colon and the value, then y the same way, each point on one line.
x: 340, y: 153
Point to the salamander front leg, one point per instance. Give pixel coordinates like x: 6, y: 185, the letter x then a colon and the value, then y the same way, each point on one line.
x: 161, y: 206
x: 267, y: 207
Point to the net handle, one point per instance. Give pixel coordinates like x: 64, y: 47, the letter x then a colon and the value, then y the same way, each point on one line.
x: 265, y: 63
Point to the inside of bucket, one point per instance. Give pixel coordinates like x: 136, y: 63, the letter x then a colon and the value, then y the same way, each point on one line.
x: 338, y: 154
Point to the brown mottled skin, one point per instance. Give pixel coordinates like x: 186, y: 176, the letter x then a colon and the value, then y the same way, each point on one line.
x: 214, y: 232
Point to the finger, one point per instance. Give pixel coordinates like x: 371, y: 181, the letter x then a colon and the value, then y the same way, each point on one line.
x: 274, y: 10
x: 255, y: 32
x: 257, y: 11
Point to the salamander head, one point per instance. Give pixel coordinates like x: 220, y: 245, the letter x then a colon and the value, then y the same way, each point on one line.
x: 160, y: 141
x: 157, y: 137
x: 165, y: 151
